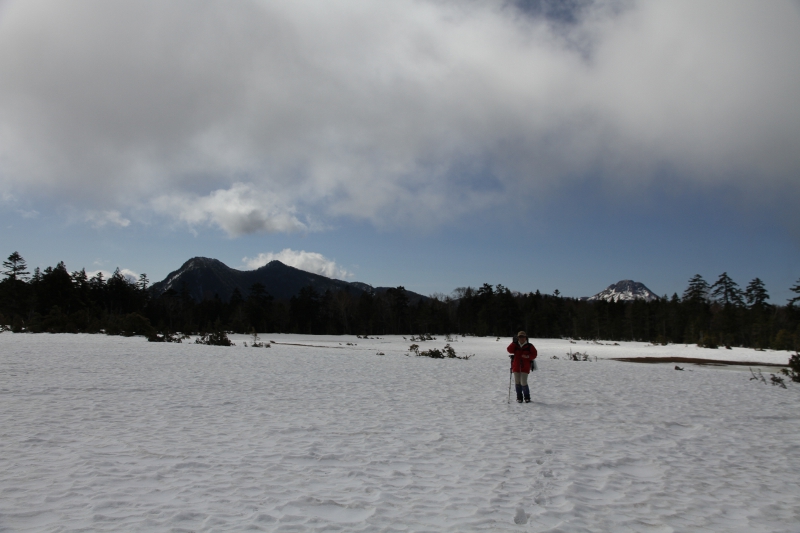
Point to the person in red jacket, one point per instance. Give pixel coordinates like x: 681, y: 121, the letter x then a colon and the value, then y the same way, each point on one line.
x: 522, y: 354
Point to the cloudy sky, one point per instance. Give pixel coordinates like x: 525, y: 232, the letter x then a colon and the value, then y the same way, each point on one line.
x: 426, y: 143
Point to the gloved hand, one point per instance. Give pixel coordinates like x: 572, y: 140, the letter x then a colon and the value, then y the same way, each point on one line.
x: 511, y: 356
x: 514, y: 339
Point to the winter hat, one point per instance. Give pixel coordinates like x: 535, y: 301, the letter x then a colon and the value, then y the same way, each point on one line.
x: 522, y: 334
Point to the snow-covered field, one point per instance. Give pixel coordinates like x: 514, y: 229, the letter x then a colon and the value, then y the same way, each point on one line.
x: 105, y: 433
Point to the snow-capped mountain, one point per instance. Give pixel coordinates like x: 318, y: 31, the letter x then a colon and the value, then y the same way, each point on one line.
x: 625, y: 291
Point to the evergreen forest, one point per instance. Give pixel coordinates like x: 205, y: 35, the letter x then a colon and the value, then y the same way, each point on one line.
x: 715, y: 314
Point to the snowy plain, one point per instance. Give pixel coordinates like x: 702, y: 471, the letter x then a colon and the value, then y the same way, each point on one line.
x: 103, y: 433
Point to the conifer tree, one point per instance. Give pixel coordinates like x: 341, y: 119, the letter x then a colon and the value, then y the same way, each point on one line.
x: 80, y: 279
x: 697, y: 291
x: 13, y: 289
x: 399, y: 306
x: 97, y: 289
x: 14, y: 268
x: 258, y: 307
x: 97, y: 282
x: 56, y: 289
x: 796, y: 290
x: 81, y: 283
x: 727, y: 291
x: 728, y: 322
x: 304, y: 309
x: 236, y: 298
x: 756, y: 294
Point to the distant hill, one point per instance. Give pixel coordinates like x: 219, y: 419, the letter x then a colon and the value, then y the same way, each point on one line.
x: 205, y: 277
x: 624, y: 291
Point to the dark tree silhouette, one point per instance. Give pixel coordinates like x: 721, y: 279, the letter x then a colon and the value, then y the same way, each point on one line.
x: 727, y: 291
x: 258, y: 307
x: 56, y: 301
x: 756, y: 294
x: 304, y: 310
x: 697, y: 291
x: 398, y: 303
x: 14, y: 268
x: 796, y: 290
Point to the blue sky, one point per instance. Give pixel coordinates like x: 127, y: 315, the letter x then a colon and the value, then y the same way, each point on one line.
x: 433, y: 145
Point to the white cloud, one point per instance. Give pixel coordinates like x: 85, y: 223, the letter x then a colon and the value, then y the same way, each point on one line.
x: 240, y: 210
x: 98, y: 219
x: 308, y: 261
x: 399, y: 113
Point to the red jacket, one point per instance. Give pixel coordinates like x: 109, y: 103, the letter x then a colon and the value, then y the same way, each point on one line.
x: 523, y: 356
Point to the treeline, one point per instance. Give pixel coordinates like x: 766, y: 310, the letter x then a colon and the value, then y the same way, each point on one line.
x: 719, y: 314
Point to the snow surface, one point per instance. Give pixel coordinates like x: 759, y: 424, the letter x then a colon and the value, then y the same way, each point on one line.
x: 103, y: 433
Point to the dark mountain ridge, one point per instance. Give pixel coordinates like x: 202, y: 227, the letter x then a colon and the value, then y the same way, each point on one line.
x: 204, y: 278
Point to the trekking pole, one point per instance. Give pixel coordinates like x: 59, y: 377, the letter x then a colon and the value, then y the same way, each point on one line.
x: 510, y: 373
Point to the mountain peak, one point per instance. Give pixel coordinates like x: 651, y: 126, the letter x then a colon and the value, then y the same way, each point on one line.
x: 625, y: 291
x: 205, y: 278
x: 202, y: 262
x: 274, y: 264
